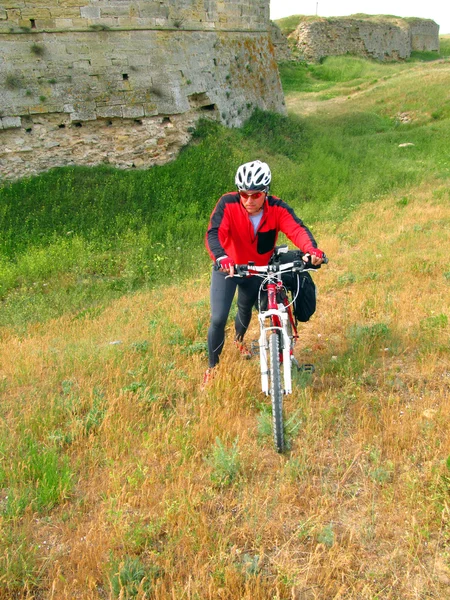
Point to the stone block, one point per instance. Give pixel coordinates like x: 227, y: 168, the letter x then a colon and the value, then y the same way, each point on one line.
x: 81, y: 23
x: 90, y: 12
x: 115, y: 11
x: 45, y: 23
x: 3, y: 14
x: 63, y: 23
x: 126, y: 22
x: 108, y: 112
x: 12, y: 4
x: 11, y: 122
x: 133, y: 112
x: 38, y: 109
x: 69, y: 3
x: 150, y: 110
x: 77, y: 49
x: 83, y: 115
x: 82, y: 65
x: 64, y: 13
x: 35, y: 13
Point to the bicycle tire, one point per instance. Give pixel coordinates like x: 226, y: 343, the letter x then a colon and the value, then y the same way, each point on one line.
x: 276, y: 393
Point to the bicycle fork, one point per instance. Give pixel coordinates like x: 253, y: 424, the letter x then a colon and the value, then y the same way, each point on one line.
x: 285, y: 353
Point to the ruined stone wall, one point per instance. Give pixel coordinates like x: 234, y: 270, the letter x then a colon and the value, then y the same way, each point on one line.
x: 124, y: 82
x: 379, y: 38
x: 424, y: 35
x: 280, y: 43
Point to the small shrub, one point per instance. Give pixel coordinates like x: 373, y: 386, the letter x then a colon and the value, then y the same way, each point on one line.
x: 382, y: 474
x: 326, y: 536
x: 99, y: 27
x: 13, y: 82
x: 346, y: 279
x: 38, y: 49
x: 434, y: 322
x: 368, y: 335
x: 131, y: 577
x: 38, y: 477
x: 225, y: 463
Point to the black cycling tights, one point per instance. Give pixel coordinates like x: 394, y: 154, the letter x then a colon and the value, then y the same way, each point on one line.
x: 222, y: 294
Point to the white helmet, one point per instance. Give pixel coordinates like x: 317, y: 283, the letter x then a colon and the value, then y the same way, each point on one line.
x: 253, y: 176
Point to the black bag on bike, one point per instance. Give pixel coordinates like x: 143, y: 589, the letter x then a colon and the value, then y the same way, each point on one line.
x: 305, y: 302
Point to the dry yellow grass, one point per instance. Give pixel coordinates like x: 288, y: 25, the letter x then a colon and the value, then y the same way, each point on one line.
x: 359, y: 506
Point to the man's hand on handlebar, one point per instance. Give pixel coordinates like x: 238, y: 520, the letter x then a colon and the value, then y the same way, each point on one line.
x: 316, y: 257
x: 226, y: 265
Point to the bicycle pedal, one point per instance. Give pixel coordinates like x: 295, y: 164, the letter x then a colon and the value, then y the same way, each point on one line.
x: 306, y: 368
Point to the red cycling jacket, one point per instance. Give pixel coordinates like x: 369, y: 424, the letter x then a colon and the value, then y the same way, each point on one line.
x: 231, y: 233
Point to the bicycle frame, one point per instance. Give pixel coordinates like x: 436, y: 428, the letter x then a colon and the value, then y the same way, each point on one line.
x: 277, y: 318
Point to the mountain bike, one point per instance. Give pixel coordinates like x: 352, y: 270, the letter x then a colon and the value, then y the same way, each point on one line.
x: 278, y: 330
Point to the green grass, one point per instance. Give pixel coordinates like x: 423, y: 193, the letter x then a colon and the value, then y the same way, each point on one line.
x: 289, y: 24
x: 444, y: 46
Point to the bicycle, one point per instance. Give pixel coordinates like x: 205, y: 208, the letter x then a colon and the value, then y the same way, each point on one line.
x: 278, y: 331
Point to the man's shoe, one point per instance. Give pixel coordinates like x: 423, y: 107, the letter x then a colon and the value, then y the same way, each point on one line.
x: 243, y: 349
x: 208, y: 377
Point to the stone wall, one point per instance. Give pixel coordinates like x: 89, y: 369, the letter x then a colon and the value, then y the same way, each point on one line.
x: 63, y: 15
x: 381, y: 38
x: 424, y: 35
x: 124, y: 82
x: 280, y: 43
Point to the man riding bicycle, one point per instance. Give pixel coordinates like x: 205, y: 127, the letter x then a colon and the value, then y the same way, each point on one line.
x: 244, y: 227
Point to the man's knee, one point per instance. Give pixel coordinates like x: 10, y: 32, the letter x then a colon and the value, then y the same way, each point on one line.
x: 218, y: 322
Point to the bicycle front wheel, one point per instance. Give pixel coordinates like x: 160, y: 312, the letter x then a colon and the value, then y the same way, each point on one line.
x: 276, y: 393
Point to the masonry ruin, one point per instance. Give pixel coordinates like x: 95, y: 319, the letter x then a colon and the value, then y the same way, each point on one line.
x: 379, y: 37
x: 123, y: 82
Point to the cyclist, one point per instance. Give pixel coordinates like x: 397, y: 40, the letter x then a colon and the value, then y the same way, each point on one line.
x: 243, y: 227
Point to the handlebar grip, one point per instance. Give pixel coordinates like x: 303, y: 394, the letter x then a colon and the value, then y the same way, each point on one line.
x: 240, y: 269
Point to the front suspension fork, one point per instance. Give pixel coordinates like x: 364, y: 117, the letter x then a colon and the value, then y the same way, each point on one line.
x: 285, y: 353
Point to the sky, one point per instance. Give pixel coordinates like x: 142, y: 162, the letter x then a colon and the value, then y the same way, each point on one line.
x: 438, y: 10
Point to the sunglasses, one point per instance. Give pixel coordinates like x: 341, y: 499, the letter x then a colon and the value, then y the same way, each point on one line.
x: 247, y: 195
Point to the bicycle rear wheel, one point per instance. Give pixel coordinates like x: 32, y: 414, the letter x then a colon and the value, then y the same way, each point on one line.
x: 276, y: 393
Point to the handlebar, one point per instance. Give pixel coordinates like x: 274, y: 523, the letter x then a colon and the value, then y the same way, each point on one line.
x: 276, y: 266
x: 296, y: 266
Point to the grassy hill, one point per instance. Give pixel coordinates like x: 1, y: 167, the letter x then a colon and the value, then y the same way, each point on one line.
x: 120, y: 479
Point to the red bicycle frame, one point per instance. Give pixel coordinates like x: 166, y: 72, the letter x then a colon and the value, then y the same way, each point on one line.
x: 274, y: 289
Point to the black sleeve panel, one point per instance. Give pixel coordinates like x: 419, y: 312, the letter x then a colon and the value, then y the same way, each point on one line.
x: 217, y: 224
